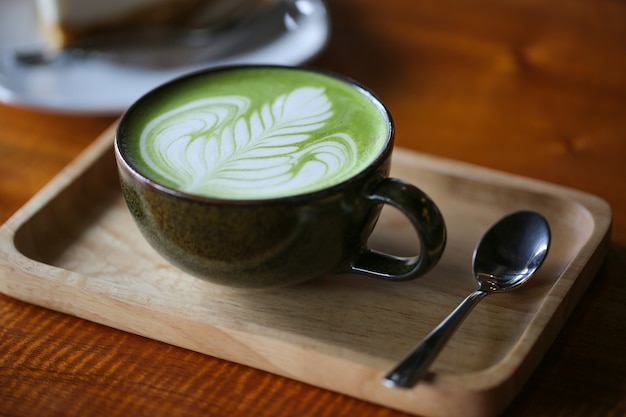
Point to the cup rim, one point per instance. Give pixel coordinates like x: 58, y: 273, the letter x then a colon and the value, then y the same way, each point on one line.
x: 315, y: 194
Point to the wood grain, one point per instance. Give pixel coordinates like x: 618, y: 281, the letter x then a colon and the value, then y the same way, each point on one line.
x: 533, y: 88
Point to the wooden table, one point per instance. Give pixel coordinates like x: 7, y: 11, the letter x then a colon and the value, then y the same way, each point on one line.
x: 533, y: 88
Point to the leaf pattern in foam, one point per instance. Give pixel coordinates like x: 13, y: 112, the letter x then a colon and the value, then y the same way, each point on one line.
x: 219, y: 147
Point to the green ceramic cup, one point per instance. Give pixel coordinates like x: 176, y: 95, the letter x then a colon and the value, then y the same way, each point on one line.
x: 265, y: 176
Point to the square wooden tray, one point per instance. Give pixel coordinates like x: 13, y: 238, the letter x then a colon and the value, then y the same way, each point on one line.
x: 74, y: 248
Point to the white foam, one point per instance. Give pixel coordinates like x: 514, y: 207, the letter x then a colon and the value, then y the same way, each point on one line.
x: 219, y: 147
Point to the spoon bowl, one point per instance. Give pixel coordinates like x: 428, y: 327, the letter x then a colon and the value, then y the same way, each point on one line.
x: 511, y: 251
x: 506, y: 257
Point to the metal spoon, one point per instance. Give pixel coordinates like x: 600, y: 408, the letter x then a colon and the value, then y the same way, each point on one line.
x: 505, y: 258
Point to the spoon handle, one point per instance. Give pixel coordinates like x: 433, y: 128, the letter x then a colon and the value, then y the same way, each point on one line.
x: 412, y: 368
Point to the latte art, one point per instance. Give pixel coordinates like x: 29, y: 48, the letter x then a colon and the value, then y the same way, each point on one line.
x: 221, y: 147
x: 254, y: 133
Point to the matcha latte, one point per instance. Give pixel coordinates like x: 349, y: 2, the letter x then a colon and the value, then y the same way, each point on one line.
x: 255, y: 132
x: 266, y: 176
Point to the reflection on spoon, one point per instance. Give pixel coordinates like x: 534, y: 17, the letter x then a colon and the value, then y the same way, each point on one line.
x: 506, y: 257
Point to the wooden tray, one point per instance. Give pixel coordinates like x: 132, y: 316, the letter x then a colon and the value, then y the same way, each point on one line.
x: 74, y: 248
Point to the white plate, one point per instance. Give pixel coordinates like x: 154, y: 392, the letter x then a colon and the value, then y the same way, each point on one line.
x: 96, y: 86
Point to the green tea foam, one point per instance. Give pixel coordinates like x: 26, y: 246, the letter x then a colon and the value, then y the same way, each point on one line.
x: 252, y: 133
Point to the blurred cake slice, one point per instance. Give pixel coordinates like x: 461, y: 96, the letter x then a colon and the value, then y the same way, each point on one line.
x: 70, y: 22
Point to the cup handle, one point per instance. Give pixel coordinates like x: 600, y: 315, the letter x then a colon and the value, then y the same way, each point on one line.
x: 428, y: 223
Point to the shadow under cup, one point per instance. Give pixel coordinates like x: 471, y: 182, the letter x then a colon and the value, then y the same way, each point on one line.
x: 272, y: 241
